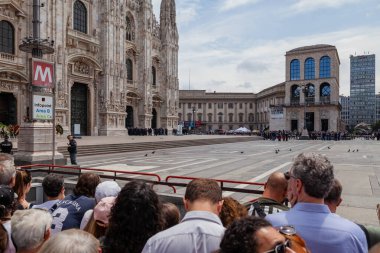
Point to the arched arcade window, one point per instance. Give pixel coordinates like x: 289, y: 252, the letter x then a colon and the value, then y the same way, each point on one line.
x: 129, y: 70
x: 295, y: 91
x: 325, y: 67
x: 311, y: 90
x: 309, y: 69
x: 325, y: 90
x: 295, y: 69
x: 80, y: 17
x: 7, y: 37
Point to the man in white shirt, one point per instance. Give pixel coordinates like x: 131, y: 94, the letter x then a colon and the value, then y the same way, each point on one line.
x: 201, y: 230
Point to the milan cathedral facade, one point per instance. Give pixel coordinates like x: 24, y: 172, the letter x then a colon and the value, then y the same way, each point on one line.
x: 116, y: 67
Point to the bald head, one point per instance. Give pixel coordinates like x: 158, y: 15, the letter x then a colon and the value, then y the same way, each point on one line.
x: 277, y: 182
x: 276, y: 187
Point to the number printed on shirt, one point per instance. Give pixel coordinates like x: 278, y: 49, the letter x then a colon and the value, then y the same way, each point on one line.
x: 59, y: 216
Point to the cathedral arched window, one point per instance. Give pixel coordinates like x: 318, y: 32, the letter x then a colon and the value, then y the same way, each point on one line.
x: 309, y: 69
x: 130, y: 33
x: 295, y: 69
x: 153, y: 76
x: 129, y: 70
x: 325, y: 67
x: 7, y: 39
x: 80, y: 17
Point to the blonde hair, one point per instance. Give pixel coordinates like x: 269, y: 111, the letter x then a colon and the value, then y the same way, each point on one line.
x: 71, y: 241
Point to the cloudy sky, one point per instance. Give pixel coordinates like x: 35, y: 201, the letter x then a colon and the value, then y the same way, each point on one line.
x: 239, y: 45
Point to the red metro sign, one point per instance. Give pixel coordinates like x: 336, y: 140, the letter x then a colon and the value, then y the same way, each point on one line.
x: 43, y: 74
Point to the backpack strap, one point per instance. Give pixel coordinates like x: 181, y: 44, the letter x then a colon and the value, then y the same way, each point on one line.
x: 256, y: 207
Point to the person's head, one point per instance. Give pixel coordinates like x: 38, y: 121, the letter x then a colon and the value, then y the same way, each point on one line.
x: 276, y: 187
x: 7, y: 170
x: 7, y: 202
x: 311, y: 178
x: 6, y: 137
x: 252, y: 235
x: 23, y: 183
x: 86, y: 185
x: 98, y: 223
x: 53, y: 186
x: 170, y: 215
x: 203, y: 195
x: 102, y: 211
x: 231, y: 210
x: 135, y: 217
x: 30, y: 229
x: 70, y: 137
x: 375, y: 248
x: 334, y: 198
x: 73, y: 241
x: 106, y: 189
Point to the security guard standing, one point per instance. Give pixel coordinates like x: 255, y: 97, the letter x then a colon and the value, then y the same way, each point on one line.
x: 6, y: 146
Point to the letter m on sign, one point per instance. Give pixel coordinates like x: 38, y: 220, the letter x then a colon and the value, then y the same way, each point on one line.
x: 43, y: 74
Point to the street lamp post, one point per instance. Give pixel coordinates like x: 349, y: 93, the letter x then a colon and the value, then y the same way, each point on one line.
x: 305, y: 134
x: 194, y: 111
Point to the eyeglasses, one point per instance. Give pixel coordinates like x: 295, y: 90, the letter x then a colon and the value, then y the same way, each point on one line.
x: 280, y: 248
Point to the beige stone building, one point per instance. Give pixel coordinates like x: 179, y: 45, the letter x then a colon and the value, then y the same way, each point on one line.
x: 115, y: 65
x: 311, y: 89
x: 229, y: 111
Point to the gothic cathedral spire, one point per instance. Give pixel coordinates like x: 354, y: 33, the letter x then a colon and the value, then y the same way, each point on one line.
x: 168, y: 24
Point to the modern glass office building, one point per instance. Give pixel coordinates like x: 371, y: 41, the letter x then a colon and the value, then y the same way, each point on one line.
x: 362, y: 86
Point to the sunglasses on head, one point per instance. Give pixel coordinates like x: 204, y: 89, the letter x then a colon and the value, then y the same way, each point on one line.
x: 280, y: 248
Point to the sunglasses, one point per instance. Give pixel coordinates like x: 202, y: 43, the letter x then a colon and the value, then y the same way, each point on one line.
x: 280, y: 248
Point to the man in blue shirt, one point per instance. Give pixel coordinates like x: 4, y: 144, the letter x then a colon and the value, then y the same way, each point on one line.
x: 311, y: 178
x: 68, y: 213
x: 201, y: 230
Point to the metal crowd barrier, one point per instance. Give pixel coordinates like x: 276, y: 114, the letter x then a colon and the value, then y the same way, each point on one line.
x: 152, y: 178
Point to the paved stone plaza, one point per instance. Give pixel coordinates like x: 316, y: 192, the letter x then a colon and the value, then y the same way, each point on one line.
x: 358, y: 171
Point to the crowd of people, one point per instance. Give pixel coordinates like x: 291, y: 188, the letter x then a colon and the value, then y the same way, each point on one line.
x: 147, y: 131
x: 104, y: 217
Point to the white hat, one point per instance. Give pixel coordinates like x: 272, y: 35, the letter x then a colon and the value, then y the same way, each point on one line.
x: 106, y: 189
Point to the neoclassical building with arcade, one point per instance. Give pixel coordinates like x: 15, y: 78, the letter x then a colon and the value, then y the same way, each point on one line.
x: 116, y: 66
x: 309, y: 98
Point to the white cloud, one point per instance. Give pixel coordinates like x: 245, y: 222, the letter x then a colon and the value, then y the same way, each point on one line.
x: 307, y: 5
x: 263, y: 65
x: 232, y: 4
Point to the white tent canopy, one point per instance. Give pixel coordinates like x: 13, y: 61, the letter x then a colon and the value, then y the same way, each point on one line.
x: 242, y: 130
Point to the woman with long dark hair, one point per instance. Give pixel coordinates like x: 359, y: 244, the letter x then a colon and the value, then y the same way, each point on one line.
x: 135, y: 217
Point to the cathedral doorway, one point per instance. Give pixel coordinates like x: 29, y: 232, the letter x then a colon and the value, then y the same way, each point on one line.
x: 8, y: 108
x: 154, y: 118
x: 129, y: 119
x: 79, y: 107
